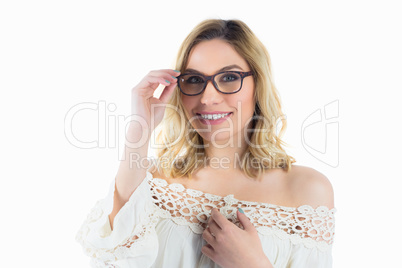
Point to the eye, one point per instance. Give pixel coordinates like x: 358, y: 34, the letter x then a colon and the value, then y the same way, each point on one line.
x: 229, y: 77
x: 194, y: 79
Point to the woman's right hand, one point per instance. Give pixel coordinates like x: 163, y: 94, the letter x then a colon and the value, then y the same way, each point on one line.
x: 145, y: 105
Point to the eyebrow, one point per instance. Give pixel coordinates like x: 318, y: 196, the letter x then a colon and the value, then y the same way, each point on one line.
x: 226, y: 68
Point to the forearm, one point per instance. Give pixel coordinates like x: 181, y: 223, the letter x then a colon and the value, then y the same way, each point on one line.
x: 131, y: 172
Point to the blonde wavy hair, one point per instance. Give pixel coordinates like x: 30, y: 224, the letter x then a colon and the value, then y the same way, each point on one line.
x: 179, y: 142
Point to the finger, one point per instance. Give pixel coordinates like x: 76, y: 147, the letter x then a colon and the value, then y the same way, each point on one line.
x: 164, y: 71
x: 149, y: 84
x: 208, y: 250
x: 167, y: 74
x: 167, y: 93
x: 208, y: 236
x: 167, y: 77
x: 153, y: 79
x: 220, y: 220
x: 214, y: 228
x: 157, y: 80
x: 245, y: 221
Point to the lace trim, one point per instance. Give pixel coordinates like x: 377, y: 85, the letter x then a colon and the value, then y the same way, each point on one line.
x: 102, y: 256
x: 304, y: 224
x: 314, y: 228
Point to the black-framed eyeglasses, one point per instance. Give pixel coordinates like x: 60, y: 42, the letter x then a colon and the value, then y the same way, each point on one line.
x: 228, y: 82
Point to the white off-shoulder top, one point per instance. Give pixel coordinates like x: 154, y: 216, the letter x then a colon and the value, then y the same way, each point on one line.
x: 162, y: 224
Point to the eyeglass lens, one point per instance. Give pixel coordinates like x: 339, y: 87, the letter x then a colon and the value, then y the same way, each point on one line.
x: 226, y: 82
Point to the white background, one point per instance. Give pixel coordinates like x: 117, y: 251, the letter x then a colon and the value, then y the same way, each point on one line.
x: 57, y: 54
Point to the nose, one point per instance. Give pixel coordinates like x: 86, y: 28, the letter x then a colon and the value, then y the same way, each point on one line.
x: 211, y: 95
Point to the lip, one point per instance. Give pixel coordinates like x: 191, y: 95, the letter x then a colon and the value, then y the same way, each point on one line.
x: 215, y: 112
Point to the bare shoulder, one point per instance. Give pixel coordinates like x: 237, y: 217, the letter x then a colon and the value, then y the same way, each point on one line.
x: 310, y: 187
x: 156, y: 172
x: 153, y: 169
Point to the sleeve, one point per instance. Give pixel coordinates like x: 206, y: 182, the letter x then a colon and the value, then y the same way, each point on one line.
x: 133, y: 241
x: 304, y: 257
x: 317, y: 227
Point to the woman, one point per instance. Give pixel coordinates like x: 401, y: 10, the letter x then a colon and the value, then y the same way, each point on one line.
x: 223, y: 192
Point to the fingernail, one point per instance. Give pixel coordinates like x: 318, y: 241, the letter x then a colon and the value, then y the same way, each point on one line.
x: 176, y: 71
x: 167, y: 81
x: 174, y: 77
x: 241, y: 211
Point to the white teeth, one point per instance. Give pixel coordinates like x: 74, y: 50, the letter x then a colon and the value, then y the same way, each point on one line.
x: 213, y: 116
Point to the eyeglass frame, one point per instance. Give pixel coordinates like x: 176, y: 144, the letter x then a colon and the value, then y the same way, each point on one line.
x: 212, y: 79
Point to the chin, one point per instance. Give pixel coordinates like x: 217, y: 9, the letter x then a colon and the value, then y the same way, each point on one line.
x: 219, y: 138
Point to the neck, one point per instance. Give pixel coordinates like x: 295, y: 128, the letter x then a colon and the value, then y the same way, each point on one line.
x: 225, y: 155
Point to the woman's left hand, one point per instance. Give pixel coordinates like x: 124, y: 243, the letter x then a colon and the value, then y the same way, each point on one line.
x: 230, y: 246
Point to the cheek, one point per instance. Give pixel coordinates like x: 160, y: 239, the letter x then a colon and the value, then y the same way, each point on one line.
x: 188, y: 105
x: 247, y: 102
x: 248, y: 109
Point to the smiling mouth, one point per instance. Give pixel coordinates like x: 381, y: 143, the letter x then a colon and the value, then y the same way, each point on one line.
x: 213, y: 116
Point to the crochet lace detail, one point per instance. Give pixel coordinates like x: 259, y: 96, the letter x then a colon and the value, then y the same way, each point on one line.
x: 104, y: 257
x: 304, y: 224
